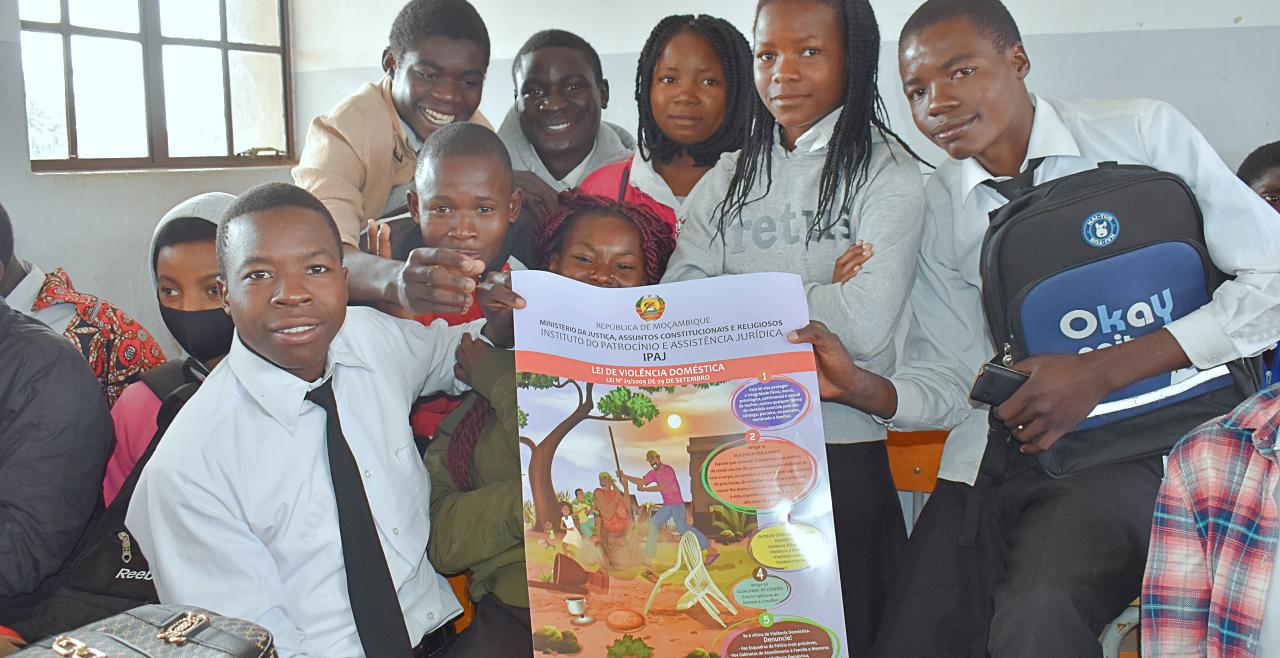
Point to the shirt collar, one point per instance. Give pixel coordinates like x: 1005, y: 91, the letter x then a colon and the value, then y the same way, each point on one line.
x: 1049, y: 137
x: 575, y: 176
x: 410, y: 137
x: 647, y: 179
x: 1260, y: 416
x: 818, y: 135
x: 277, y: 391
x: 23, y: 297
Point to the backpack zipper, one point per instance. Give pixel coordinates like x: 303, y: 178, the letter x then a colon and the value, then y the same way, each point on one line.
x: 126, y: 547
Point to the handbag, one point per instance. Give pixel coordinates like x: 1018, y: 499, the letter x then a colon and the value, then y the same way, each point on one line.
x: 159, y: 631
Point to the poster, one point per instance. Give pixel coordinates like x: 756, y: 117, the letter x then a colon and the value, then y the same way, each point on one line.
x: 676, y: 501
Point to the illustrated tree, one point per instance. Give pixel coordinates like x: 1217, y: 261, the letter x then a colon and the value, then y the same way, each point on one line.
x: 621, y: 405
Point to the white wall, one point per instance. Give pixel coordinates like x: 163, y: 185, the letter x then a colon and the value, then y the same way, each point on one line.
x: 1192, y: 53
x: 96, y: 225
x: 1204, y: 57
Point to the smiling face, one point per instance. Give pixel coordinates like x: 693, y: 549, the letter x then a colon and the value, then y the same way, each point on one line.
x: 600, y: 249
x: 688, y: 94
x: 799, y: 63
x: 436, y: 82
x: 466, y: 204
x: 559, y: 100
x: 966, y: 95
x: 285, y: 287
x: 1268, y: 187
x: 187, y: 276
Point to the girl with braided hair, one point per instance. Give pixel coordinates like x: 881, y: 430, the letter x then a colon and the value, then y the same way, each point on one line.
x: 819, y: 171
x: 694, y: 96
x: 474, y: 459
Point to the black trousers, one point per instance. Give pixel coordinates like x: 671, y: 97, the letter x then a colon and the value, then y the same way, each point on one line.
x: 1053, y: 561
x: 497, y: 629
x: 870, y: 535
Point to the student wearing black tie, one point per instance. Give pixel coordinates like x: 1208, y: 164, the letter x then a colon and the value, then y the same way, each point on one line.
x: 289, y: 490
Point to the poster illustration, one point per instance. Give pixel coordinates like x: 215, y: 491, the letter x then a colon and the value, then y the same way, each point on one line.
x: 676, y: 501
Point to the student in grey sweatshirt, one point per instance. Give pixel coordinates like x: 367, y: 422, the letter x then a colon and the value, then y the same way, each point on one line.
x: 821, y: 170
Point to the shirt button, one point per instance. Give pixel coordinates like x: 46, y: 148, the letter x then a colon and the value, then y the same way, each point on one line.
x: 368, y: 473
x: 395, y: 531
x: 431, y: 616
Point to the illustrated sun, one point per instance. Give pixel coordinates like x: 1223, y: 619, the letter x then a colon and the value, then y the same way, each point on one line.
x: 674, y: 421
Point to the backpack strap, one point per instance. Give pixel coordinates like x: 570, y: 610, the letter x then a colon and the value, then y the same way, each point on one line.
x: 165, y: 378
x: 622, y: 184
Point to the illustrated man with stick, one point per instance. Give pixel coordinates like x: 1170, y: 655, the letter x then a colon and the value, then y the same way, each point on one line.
x: 662, y: 479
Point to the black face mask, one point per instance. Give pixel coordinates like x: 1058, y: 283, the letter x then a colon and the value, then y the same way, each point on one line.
x: 203, y: 334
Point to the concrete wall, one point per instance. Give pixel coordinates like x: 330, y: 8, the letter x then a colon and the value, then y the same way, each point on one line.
x: 1201, y: 56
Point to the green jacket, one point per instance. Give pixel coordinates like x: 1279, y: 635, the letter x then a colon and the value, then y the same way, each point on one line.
x: 482, y: 529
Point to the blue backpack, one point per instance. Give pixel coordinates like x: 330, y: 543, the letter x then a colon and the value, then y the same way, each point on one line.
x: 1095, y: 259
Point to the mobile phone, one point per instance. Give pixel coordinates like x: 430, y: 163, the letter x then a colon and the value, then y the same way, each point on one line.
x: 995, y: 384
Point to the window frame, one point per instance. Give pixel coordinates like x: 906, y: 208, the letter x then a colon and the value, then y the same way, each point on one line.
x: 153, y: 42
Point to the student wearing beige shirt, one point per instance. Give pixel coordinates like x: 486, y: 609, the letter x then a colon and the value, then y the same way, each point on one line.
x: 366, y: 147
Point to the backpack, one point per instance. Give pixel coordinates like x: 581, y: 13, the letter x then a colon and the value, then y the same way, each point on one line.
x: 1095, y: 259
x: 107, y: 574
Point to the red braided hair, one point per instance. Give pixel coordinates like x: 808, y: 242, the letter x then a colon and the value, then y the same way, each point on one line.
x: 656, y: 238
x: 656, y: 242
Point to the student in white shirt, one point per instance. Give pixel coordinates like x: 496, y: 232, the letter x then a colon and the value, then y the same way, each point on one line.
x: 1053, y: 559
x: 241, y: 510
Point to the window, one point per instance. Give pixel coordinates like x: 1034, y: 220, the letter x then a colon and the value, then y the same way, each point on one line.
x: 123, y: 84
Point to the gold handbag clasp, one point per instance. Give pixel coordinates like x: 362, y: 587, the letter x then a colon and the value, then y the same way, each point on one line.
x: 69, y: 646
x: 177, y: 633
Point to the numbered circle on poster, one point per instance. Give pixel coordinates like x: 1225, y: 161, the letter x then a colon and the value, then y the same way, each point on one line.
x: 770, y: 403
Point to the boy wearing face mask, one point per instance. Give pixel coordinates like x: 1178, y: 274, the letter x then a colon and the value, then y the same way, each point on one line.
x: 184, y: 269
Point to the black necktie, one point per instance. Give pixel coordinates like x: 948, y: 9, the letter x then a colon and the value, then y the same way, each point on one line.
x: 1016, y: 186
x: 379, y: 620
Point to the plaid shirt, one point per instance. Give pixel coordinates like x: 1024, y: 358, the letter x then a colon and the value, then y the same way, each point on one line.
x: 1213, y: 539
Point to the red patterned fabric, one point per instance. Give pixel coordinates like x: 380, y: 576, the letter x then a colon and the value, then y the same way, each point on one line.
x: 113, y: 343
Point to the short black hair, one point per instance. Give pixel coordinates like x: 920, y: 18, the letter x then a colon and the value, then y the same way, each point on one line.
x: 6, y: 237
x: 735, y: 58
x: 269, y: 196
x: 558, y: 39
x: 183, y: 230
x: 991, y: 18
x: 455, y: 19
x: 457, y: 140
x: 1255, y: 166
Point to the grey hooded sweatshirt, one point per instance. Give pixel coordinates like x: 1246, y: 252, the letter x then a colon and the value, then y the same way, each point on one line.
x: 772, y: 236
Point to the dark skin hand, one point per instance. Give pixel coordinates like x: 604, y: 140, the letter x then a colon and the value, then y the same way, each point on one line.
x: 849, y: 264
x: 470, y: 352
x: 429, y: 281
x: 1064, y: 388
x: 498, y: 300
x: 539, y: 198
x: 839, y: 380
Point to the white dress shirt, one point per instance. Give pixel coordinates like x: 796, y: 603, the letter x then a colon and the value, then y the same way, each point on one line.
x: 23, y: 298
x: 236, y: 511
x: 948, y: 340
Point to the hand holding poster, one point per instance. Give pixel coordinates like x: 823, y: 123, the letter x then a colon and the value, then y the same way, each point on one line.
x: 676, y: 494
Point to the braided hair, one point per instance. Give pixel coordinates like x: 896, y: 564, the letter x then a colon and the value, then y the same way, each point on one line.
x: 848, y: 161
x: 735, y: 57
x: 656, y: 240
x: 656, y: 245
